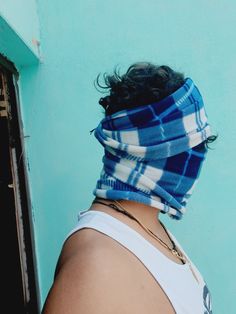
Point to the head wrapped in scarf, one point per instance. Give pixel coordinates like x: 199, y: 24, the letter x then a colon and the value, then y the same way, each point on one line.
x: 151, y: 152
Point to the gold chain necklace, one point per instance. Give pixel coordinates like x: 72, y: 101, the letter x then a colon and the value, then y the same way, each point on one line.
x: 173, y: 250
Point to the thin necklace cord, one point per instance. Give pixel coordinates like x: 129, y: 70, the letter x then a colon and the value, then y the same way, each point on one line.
x: 173, y: 250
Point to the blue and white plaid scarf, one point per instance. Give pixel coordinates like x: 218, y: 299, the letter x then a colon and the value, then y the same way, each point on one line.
x: 150, y: 151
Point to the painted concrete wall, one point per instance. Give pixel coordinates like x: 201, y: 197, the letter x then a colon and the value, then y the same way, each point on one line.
x: 60, y: 106
x: 22, y: 17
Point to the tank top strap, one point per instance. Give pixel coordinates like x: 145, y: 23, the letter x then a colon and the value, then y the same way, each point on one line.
x: 176, y: 280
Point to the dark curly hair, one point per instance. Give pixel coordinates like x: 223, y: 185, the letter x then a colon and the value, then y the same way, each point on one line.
x: 143, y: 83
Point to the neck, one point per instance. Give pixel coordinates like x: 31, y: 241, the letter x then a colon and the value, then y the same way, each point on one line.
x: 147, y: 215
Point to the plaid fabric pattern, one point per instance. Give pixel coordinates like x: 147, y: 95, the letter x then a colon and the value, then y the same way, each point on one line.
x: 152, y: 152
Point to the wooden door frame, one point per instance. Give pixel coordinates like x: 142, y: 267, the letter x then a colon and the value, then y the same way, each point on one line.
x: 20, y: 184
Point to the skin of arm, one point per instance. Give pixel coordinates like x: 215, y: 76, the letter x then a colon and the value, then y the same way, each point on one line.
x: 80, y: 284
x: 96, y: 275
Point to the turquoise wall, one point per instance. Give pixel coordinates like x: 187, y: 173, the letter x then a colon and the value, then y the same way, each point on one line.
x: 22, y: 17
x: 60, y: 106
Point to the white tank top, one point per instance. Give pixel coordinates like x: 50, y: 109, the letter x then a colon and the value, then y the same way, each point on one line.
x: 186, y: 295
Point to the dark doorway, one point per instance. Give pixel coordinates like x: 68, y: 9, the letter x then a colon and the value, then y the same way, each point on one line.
x: 19, y: 280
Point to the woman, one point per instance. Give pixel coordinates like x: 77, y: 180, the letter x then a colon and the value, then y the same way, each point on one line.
x: 120, y: 258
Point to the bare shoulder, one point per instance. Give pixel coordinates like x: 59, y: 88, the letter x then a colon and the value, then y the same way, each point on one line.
x: 96, y: 274
x: 88, y: 276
